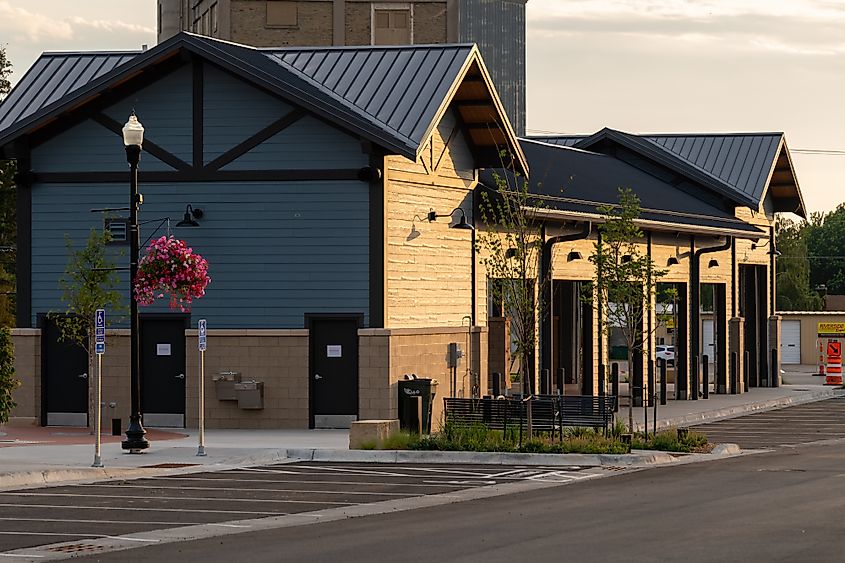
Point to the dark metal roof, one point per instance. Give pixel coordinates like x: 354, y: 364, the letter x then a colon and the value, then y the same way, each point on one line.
x: 578, y: 181
x: 400, y: 88
x: 53, y: 76
x: 393, y: 96
x: 740, y: 162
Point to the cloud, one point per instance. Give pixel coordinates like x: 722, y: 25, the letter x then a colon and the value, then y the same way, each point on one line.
x: 110, y: 26
x: 20, y: 25
x: 795, y: 27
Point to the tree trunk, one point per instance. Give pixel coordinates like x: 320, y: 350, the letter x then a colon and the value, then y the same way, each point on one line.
x: 630, y: 390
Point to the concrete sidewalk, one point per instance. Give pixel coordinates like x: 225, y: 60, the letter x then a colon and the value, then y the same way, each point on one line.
x: 38, y: 456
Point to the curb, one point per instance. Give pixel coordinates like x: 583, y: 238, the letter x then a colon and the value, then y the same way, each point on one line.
x: 60, y: 476
x: 748, y: 408
x: 639, y: 459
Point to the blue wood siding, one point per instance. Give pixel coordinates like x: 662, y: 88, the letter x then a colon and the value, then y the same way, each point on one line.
x: 234, y: 111
x: 307, y: 144
x: 88, y: 147
x: 276, y: 250
x: 165, y: 108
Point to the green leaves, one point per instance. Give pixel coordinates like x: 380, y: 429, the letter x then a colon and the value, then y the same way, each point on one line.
x: 625, y: 276
x: 87, y: 285
x: 8, y: 383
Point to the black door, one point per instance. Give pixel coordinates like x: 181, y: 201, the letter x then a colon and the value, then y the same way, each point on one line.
x: 163, y: 370
x: 64, y: 373
x: 333, y: 370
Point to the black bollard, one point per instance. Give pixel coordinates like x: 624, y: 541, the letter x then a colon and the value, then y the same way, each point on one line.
x: 545, y: 382
x: 663, y: 382
x: 614, y: 385
x: 602, y: 382
x: 745, y: 375
x: 497, y: 384
x: 705, y: 375
x: 775, y: 378
x: 694, y: 382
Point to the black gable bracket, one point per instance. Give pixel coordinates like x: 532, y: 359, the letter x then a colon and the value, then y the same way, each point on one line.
x: 168, y: 158
x: 247, y: 145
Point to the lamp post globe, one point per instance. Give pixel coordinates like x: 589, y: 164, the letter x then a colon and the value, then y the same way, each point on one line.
x: 133, y: 138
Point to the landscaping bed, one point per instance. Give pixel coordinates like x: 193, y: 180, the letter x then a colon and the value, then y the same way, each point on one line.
x: 478, y: 438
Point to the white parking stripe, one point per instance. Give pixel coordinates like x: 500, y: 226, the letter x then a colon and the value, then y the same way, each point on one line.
x: 80, y: 521
x: 139, y: 508
x: 21, y: 555
x: 346, y: 483
x: 354, y: 471
x: 251, y: 490
x: 180, y: 499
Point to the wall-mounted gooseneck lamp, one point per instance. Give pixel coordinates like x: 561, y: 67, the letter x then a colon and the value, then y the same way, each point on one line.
x: 673, y: 260
x: 773, y: 250
x: 461, y: 224
x: 191, y: 216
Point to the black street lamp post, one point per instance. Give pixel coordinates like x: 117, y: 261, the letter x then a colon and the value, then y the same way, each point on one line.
x: 133, y: 137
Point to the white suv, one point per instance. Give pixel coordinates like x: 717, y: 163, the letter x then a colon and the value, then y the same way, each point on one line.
x: 663, y: 352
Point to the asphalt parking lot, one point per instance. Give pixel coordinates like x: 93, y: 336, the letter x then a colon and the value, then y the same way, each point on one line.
x: 230, y: 499
x: 801, y: 424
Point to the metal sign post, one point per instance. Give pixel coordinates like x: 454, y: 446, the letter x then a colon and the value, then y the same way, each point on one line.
x: 201, y: 346
x: 99, y: 349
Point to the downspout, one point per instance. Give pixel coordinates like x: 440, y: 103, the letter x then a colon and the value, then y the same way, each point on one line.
x: 695, y: 296
x: 650, y: 378
x: 772, y: 273
x: 546, y: 334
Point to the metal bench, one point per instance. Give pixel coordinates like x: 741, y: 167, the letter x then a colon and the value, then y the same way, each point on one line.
x: 549, y: 413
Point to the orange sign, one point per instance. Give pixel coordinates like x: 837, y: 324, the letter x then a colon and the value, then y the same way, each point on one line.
x: 834, y: 349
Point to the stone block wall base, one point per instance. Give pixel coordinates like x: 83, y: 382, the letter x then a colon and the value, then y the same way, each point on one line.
x: 20, y: 421
x: 369, y: 432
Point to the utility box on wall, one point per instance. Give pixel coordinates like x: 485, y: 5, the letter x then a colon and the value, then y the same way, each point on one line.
x: 454, y: 355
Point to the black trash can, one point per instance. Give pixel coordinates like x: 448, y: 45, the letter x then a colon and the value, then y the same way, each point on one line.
x: 416, y: 398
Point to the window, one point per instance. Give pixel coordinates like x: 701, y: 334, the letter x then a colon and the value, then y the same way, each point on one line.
x: 212, y: 12
x: 119, y: 229
x: 392, y: 26
x: 281, y: 14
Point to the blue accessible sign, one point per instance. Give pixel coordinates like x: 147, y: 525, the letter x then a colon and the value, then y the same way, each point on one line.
x: 100, y: 331
x: 202, y: 336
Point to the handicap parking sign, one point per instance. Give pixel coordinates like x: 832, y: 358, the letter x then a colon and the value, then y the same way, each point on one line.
x: 202, y: 337
x: 100, y: 331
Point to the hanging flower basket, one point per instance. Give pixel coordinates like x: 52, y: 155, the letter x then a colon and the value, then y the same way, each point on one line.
x: 170, y: 267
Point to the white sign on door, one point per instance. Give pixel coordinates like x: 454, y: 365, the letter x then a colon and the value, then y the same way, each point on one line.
x: 162, y: 349
x: 334, y: 351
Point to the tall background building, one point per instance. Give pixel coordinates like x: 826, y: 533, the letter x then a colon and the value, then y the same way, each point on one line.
x: 497, y: 26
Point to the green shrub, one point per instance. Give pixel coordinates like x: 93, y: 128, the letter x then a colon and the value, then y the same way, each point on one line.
x: 478, y: 438
x: 401, y: 441
x: 667, y: 441
x: 8, y: 382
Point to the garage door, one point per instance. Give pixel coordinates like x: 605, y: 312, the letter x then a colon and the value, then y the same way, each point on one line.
x: 708, y: 341
x: 790, y: 334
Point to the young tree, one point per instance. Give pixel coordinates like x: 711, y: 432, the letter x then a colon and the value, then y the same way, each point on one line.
x: 8, y: 202
x: 8, y: 383
x: 625, y: 278
x: 510, y: 251
x: 88, y: 284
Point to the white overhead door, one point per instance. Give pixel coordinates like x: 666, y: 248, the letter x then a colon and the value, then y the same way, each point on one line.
x: 708, y: 341
x: 790, y: 345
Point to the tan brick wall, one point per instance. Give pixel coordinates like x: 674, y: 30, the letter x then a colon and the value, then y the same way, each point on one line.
x: 314, y: 25
x: 429, y: 22
x: 279, y: 358
x: 358, y: 23
x: 428, y: 269
x: 27, y: 344
x: 422, y: 352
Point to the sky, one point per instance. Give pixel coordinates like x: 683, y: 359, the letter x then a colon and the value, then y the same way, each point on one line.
x: 641, y: 66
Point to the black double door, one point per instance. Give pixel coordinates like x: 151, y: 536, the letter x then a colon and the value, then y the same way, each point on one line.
x: 163, y: 378
x: 333, y: 370
x: 65, y: 377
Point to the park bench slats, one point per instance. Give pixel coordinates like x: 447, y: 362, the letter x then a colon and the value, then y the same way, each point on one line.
x: 548, y: 412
